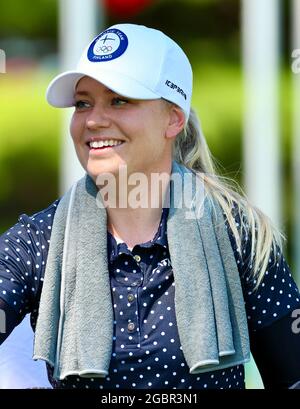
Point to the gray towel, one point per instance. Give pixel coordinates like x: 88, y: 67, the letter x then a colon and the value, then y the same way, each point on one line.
x: 75, y: 322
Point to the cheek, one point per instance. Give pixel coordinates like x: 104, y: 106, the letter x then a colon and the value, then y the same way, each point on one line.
x: 76, y: 127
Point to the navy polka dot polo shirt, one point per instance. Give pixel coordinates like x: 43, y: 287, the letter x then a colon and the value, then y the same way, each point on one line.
x: 146, y: 347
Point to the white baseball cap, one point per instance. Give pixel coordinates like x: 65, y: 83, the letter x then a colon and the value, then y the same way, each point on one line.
x: 134, y: 61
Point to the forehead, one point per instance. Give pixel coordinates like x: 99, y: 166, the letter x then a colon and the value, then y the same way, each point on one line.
x: 88, y: 84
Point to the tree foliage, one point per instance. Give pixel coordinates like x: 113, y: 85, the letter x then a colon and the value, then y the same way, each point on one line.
x: 23, y: 18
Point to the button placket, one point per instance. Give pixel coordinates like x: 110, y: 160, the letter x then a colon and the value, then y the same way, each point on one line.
x: 128, y: 317
x: 128, y: 321
x: 133, y: 334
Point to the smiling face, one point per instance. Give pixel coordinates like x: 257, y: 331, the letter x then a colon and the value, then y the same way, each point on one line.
x: 141, y: 131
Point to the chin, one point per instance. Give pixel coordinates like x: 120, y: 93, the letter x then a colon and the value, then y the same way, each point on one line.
x: 95, y: 171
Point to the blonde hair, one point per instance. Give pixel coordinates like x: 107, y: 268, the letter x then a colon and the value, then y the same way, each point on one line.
x: 191, y: 150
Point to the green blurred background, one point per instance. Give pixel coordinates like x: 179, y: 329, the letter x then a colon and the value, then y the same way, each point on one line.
x: 30, y: 130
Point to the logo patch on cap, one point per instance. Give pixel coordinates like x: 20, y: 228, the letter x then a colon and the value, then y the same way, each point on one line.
x: 108, y: 45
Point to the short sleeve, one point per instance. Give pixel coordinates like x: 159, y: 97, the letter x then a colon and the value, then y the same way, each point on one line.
x: 20, y: 265
x: 276, y: 296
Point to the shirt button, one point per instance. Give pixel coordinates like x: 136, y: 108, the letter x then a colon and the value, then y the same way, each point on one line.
x: 131, y: 326
x: 130, y: 297
x: 137, y: 258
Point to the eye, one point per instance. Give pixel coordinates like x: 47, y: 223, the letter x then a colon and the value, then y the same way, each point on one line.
x: 81, y: 104
x: 118, y: 101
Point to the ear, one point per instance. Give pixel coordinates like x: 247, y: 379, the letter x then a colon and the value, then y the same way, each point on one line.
x: 176, y: 122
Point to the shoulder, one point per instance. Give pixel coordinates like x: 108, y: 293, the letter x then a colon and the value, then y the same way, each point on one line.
x: 276, y: 294
x: 23, y: 254
x: 38, y: 223
x: 39, y: 220
x: 28, y: 230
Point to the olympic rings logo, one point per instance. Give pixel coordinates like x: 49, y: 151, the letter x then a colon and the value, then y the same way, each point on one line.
x: 105, y: 48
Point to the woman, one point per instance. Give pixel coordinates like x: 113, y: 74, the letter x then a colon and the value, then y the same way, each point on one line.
x: 168, y: 294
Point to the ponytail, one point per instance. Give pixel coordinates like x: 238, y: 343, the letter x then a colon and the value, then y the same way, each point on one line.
x: 191, y: 150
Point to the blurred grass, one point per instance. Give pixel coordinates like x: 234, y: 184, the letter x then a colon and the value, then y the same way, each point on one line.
x: 29, y: 146
x: 217, y: 98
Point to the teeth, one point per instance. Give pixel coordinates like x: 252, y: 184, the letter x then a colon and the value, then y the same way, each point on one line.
x: 107, y: 142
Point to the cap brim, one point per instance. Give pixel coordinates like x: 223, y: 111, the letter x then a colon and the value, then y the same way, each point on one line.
x: 60, y: 92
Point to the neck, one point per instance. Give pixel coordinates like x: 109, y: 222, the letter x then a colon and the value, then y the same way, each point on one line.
x: 136, y: 227
x: 137, y: 214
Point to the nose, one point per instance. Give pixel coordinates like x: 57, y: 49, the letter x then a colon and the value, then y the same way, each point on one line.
x: 97, y: 119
